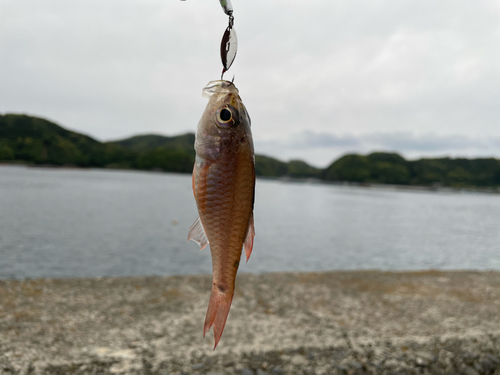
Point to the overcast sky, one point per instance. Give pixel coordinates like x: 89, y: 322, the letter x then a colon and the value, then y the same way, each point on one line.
x: 319, y: 78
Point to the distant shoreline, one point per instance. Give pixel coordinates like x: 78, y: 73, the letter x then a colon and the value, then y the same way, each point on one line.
x: 437, y: 188
x: 36, y: 140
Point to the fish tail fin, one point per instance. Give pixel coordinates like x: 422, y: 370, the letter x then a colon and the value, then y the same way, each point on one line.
x: 218, y: 310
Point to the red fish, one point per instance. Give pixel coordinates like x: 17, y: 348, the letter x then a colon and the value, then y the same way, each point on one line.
x: 224, y: 188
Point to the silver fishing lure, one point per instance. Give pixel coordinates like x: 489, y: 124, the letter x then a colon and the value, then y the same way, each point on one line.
x: 229, y: 43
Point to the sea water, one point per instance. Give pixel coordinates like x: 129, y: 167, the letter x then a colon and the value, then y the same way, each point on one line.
x: 90, y: 223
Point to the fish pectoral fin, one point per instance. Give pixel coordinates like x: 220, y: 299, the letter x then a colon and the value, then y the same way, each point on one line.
x: 249, y: 238
x: 197, y: 234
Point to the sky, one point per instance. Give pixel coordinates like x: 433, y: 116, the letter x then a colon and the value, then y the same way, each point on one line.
x: 320, y: 78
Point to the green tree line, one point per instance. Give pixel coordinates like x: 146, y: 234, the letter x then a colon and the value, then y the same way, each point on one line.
x: 32, y: 140
x: 391, y: 168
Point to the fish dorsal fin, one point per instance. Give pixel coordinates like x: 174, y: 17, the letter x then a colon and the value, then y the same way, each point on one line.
x: 197, y: 234
x: 249, y: 238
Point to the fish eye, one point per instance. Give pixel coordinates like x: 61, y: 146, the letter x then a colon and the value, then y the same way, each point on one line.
x: 226, y: 116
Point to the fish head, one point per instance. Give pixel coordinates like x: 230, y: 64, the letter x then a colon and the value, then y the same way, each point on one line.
x: 225, y: 124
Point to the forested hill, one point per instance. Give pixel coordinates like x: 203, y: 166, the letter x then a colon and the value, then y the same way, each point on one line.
x: 391, y: 168
x: 32, y: 140
x: 142, y: 143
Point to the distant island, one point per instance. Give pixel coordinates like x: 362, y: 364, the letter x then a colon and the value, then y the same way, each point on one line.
x: 32, y: 140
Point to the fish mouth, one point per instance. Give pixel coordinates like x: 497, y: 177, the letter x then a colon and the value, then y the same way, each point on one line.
x: 219, y: 87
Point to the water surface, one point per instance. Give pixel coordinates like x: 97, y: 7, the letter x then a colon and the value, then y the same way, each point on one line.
x: 87, y: 223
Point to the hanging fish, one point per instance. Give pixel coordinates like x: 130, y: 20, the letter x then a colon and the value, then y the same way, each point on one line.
x: 224, y: 187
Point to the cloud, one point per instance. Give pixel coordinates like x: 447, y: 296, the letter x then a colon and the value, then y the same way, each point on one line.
x: 318, y: 77
x: 428, y: 143
x: 308, y: 139
x: 321, y: 148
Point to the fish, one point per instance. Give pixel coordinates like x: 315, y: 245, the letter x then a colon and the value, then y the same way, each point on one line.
x: 224, y: 191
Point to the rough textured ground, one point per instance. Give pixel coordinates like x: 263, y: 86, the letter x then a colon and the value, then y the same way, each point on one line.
x: 287, y: 323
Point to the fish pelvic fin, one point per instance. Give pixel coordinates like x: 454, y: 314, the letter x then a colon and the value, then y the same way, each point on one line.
x: 197, y: 234
x: 249, y: 238
x: 218, y: 310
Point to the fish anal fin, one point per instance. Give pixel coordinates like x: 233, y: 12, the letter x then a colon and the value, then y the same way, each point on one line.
x: 197, y: 234
x: 249, y: 238
x: 217, y: 312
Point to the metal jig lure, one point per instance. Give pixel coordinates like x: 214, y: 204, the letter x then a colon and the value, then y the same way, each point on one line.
x: 229, y: 43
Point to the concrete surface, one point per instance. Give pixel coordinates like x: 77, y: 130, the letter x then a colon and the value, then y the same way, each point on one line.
x: 359, y: 322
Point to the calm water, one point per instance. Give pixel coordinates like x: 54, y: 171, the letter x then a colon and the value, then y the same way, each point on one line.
x: 81, y: 223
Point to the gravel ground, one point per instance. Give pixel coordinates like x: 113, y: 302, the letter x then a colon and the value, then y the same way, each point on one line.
x: 360, y: 322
